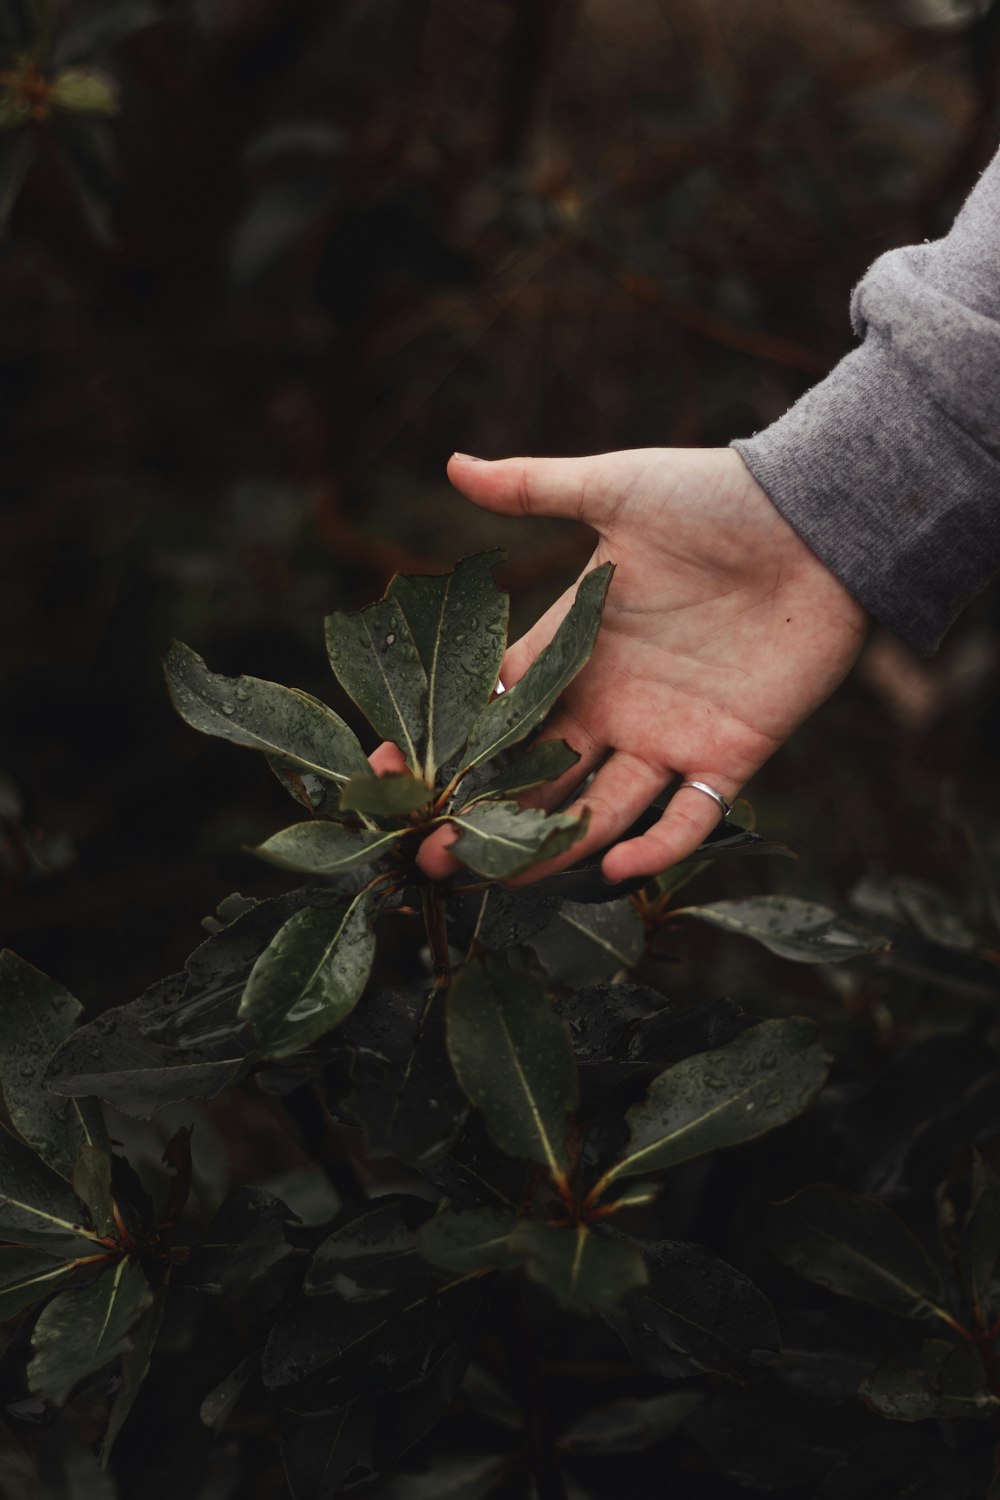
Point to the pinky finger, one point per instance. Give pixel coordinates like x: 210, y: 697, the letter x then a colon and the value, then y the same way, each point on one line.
x: 687, y: 821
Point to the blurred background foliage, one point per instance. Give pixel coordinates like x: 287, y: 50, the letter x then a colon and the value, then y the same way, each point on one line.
x: 268, y: 262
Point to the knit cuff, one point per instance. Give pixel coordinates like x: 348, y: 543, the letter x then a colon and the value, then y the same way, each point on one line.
x: 898, y: 501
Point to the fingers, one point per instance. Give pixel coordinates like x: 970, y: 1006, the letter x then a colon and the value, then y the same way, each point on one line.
x: 434, y: 857
x: 387, y: 759
x: 622, y: 789
x: 689, y: 818
x: 582, y: 489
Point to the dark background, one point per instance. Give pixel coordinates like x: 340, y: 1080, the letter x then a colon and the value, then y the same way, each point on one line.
x: 326, y: 242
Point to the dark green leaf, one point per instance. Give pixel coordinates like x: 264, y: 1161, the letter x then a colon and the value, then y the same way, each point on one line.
x: 525, y: 769
x: 764, y: 1078
x: 980, y: 1243
x: 476, y: 1239
x: 135, y: 1363
x: 587, y: 944
x: 401, y: 1086
x: 373, y: 1252
x: 36, y: 1015
x: 244, y: 1240
x: 697, y: 1313
x: 311, y: 976
x: 81, y: 1331
x: 36, y: 1206
x: 856, y: 1247
x: 500, y: 839
x: 947, y: 1383
x: 264, y: 716
x: 102, y: 26
x: 92, y: 1184
x: 220, y: 1403
x: 26, y: 1276
x: 511, y: 1054
x: 630, y: 1425
x: 580, y: 1268
x: 17, y: 152
x: 514, y: 714
x: 324, y: 1351
x: 376, y: 661
x: 319, y: 1453
x: 389, y: 796
x: 458, y: 622
x: 795, y: 929
x: 325, y: 848
x: 498, y: 918
x: 490, y: 1399
x: 113, y: 1057
x: 895, y: 1463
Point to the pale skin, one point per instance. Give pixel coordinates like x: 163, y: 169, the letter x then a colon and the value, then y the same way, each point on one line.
x: 722, y: 632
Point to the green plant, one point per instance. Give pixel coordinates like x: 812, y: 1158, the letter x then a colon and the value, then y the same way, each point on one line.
x: 491, y: 1101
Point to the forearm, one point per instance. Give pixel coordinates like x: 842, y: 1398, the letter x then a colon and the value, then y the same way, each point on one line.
x: 890, y: 468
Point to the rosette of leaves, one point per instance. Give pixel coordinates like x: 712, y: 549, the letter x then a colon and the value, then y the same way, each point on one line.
x: 84, y: 1252
x: 56, y: 98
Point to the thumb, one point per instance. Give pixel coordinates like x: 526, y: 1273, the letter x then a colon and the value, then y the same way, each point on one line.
x: 582, y: 489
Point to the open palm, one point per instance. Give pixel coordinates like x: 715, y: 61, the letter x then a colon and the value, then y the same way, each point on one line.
x: 722, y: 632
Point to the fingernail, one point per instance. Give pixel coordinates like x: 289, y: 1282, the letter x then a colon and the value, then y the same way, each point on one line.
x: 468, y: 458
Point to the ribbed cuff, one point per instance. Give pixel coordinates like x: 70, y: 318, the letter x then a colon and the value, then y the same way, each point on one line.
x: 893, y: 496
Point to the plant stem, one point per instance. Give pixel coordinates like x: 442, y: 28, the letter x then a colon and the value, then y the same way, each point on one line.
x: 529, y: 1384
x: 437, y: 935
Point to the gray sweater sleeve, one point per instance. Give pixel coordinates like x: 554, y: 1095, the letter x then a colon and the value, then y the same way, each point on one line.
x: 890, y: 468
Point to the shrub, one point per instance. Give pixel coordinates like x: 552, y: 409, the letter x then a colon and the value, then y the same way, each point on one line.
x: 496, y: 1258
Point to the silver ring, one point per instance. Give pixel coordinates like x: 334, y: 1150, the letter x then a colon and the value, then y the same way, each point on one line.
x: 703, y: 786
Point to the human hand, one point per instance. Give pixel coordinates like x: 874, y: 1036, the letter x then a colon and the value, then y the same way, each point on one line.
x: 722, y: 631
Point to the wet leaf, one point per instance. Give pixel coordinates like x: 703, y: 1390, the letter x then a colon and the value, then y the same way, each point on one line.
x: 514, y: 714
x: 474, y: 1239
x: 26, y: 1276
x: 587, y: 943
x: 376, y: 661
x: 264, y: 716
x: 325, y: 1351
x: 36, y: 1206
x: 86, y: 91
x: 947, y: 1383
x: 321, y: 848
x: 762, y: 1079
x: 36, y: 1016
x: 311, y: 976
x: 458, y: 622
x: 800, y: 930
x: 697, y: 1313
x: 403, y: 1087
x: 373, y: 1252
x: 511, y: 1054
x: 499, y: 918
x: 220, y: 1403
x: 501, y: 839
x: 135, y: 1364
x: 84, y: 1329
x: 92, y: 1184
x: 389, y: 796
x: 247, y: 1236
x: 113, y: 1058
x: 630, y: 1425
x: 525, y: 769
x: 581, y: 1268
x: 319, y: 1453
x: 856, y: 1247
